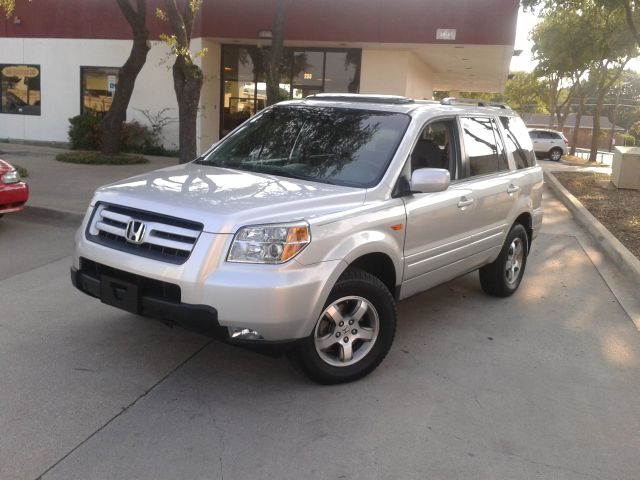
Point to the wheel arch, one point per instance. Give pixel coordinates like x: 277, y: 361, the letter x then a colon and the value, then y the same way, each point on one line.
x: 526, y: 220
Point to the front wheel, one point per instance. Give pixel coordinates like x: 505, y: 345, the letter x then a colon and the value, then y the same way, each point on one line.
x: 555, y: 154
x: 502, y: 277
x: 354, y: 332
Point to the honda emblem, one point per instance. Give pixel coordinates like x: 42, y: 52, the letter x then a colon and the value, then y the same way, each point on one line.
x: 135, y: 232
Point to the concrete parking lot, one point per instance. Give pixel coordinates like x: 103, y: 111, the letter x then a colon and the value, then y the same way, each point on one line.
x: 542, y: 385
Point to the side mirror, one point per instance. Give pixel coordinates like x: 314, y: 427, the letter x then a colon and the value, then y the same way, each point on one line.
x: 430, y: 180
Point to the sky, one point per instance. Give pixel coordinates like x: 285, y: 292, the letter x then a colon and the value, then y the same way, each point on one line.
x: 526, y: 22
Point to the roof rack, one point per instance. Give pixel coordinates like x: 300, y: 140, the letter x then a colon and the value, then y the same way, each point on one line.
x: 473, y: 101
x: 352, y: 97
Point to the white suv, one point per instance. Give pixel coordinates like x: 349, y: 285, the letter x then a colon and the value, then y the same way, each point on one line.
x: 301, y: 229
x: 549, y: 143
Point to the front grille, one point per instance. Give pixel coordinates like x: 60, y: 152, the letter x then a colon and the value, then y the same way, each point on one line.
x: 165, y: 238
x: 147, y: 287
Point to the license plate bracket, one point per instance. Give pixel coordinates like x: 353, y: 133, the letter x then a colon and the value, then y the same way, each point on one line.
x: 123, y: 295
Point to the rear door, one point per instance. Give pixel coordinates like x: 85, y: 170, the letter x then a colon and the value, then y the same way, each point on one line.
x: 490, y: 181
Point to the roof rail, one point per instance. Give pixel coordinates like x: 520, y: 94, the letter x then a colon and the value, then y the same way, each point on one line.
x: 473, y: 101
x: 353, y: 97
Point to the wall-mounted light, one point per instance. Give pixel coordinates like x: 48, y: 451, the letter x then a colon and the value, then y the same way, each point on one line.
x: 265, y: 34
x: 17, y: 20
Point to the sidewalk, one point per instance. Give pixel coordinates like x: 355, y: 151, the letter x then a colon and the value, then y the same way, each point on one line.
x: 67, y: 187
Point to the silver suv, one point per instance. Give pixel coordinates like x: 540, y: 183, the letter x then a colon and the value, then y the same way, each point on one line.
x: 549, y: 143
x: 300, y: 230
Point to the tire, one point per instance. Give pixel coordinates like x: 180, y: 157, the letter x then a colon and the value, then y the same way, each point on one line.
x: 555, y: 154
x: 360, y: 303
x: 502, y: 278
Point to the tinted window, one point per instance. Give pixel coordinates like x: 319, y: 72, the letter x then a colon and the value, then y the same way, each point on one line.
x: 329, y: 145
x: 518, y: 143
x: 483, y: 146
x: 20, y: 89
x: 533, y: 134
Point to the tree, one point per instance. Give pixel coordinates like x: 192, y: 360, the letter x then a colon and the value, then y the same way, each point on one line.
x: 117, y: 114
x: 8, y: 6
x: 563, y: 52
x: 598, y: 36
x: 274, y: 56
x: 187, y: 76
x: 524, y: 92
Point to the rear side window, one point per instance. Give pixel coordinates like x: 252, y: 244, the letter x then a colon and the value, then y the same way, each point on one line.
x: 483, y: 146
x: 518, y: 141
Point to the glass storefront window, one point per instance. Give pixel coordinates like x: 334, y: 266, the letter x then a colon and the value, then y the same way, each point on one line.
x: 342, y: 72
x: 98, y: 88
x: 304, y: 72
x: 20, y: 89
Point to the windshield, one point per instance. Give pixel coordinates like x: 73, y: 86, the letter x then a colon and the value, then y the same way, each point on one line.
x: 329, y: 145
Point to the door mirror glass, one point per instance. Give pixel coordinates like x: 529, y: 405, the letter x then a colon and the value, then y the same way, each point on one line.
x: 430, y: 180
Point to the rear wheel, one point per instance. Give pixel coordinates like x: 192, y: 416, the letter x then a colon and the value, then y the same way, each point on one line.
x: 555, y: 154
x: 502, y: 277
x: 354, y: 332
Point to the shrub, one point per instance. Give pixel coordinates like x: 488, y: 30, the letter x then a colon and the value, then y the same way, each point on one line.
x: 97, y: 158
x: 85, y: 132
x: 625, y: 139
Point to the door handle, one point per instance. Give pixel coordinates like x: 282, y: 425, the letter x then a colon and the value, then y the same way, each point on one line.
x: 513, y: 189
x: 465, y: 202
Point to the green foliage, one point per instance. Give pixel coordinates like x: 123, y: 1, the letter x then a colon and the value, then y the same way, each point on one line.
x: 23, y: 172
x: 524, y: 92
x: 625, y: 139
x: 85, y: 133
x: 8, y: 6
x: 97, y: 158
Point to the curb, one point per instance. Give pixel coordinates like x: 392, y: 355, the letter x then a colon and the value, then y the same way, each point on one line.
x: 49, y: 214
x: 617, y: 252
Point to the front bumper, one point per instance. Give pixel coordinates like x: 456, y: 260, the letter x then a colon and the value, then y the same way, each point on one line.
x: 13, y: 196
x: 198, y: 318
x: 201, y: 318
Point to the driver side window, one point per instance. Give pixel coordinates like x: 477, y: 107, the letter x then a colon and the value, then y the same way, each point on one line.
x: 436, y: 147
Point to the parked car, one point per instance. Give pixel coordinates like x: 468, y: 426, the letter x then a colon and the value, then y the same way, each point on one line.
x: 302, y: 228
x: 14, y: 193
x: 549, y: 143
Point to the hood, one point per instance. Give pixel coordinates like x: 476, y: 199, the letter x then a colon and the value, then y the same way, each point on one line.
x: 225, y: 199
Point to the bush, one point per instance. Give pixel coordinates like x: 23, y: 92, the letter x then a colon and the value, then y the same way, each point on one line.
x: 23, y: 172
x: 85, y: 133
x: 625, y: 139
x: 97, y: 158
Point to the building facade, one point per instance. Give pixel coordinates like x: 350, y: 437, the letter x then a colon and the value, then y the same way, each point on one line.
x: 60, y: 58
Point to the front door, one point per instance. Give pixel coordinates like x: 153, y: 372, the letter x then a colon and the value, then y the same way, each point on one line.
x: 436, y: 234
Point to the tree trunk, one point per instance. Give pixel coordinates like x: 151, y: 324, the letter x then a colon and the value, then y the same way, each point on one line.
x: 117, y: 114
x: 576, y: 129
x: 273, y: 65
x: 187, y: 82
x: 595, y: 133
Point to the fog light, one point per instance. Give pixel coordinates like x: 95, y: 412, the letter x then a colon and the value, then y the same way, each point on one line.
x: 245, y: 334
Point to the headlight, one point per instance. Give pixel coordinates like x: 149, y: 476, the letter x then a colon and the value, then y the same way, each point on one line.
x: 269, y: 243
x: 11, y: 177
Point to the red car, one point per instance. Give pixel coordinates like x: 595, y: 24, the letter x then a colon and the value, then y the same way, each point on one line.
x: 13, y: 192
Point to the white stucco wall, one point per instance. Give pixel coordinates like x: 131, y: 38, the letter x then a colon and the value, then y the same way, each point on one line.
x: 60, y: 61
x: 395, y: 72
x: 419, y: 79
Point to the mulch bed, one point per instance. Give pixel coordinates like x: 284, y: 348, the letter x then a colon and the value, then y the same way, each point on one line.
x: 617, y: 209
